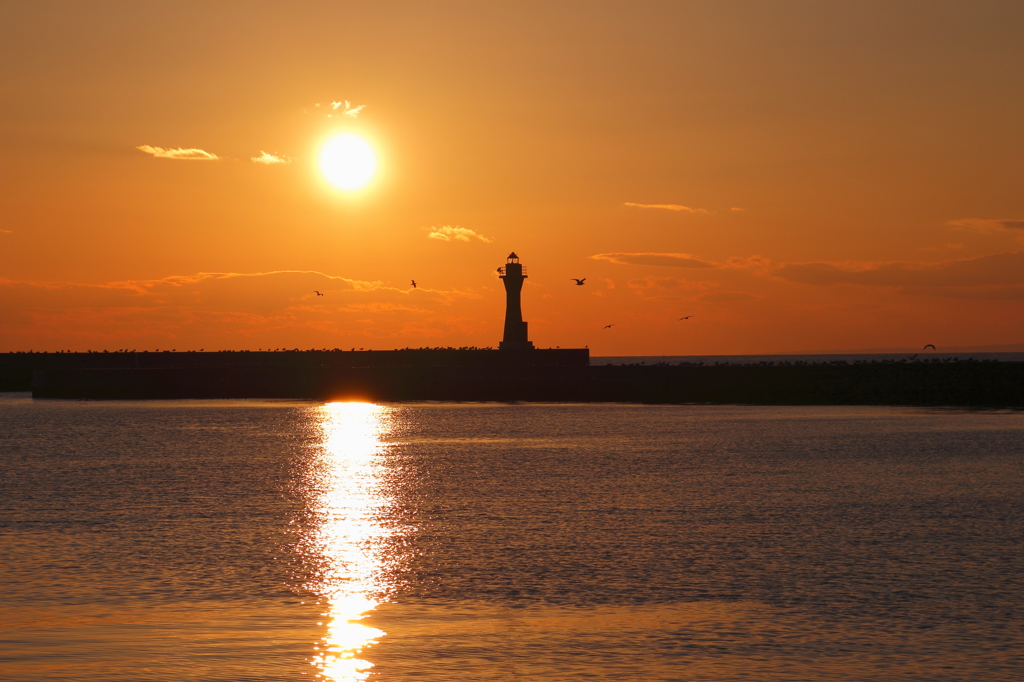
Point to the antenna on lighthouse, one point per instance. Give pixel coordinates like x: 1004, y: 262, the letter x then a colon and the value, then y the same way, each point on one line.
x: 512, y: 274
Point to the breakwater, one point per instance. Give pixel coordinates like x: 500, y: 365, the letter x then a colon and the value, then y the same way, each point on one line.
x: 556, y: 375
x: 19, y: 370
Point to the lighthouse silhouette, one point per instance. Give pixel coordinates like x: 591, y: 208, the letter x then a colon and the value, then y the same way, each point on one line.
x: 512, y: 274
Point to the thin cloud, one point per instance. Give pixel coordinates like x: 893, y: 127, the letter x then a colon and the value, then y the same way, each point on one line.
x: 753, y: 263
x: 462, y: 234
x: 978, y: 293
x: 381, y: 308
x: 989, y: 225
x: 737, y: 208
x: 224, y: 305
x: 260, y: 289
x: 726, y: 297
x: 270, y: 159
x: 669, y: 289
x: 670, y: 260
x: 998, y: 269
x: 179, y: 153
x: 260, y: 293
x: 670, y: 207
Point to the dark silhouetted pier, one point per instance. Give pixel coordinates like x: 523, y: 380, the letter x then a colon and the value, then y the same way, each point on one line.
x: 544, y: 375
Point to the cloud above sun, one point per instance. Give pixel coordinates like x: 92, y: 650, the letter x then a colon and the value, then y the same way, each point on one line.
x: 462, y: 234
x: 670, y: 207
x: 179, y: 153
x: 342, y: 108
x: 349, y: 109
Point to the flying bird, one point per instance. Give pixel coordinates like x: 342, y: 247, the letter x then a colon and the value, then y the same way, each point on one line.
x: 686, y: 318
x: 609, y: 326
x: 317, y: 292
x: 413, y: 284
x: 930, y: 345
x: 579, y: 282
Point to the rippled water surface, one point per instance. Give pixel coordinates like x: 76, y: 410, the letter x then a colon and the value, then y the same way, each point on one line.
x: 200, y: 540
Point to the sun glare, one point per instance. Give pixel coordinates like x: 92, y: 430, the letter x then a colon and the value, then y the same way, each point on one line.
x: 350, y: 478
x: 347, y: 162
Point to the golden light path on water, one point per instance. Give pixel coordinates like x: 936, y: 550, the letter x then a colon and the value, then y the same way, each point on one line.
x: 348, y: 537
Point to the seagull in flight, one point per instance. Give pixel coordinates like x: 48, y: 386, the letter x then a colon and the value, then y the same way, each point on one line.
x: 579, y: 282
x: 609, y: 326
x: 686, y: 318
x: 413, y: 284
x: 930, y: 345
x: 317, y: 292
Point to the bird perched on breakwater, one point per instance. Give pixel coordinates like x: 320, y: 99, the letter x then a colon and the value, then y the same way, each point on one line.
x: 579, y: 282
x: 929, y: 345
x: 413, y: 284
x: 317, y: 292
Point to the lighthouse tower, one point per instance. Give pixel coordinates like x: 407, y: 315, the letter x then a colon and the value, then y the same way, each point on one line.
x: 512, y: 273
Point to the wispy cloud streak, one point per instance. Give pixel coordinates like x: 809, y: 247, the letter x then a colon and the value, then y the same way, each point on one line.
x: 670, y: 207
x: 999, y: 269
x: 180, y: 153
x: 225, y: 305
x: 671, y: 260
x: 988, y: 225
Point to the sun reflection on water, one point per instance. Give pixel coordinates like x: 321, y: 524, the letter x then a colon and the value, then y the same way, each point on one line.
x: 347, y: 539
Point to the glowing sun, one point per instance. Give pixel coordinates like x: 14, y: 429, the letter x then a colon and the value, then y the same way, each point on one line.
x: 347, y: 162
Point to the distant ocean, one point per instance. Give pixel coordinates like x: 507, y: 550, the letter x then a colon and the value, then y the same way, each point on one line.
x: 810, y: 358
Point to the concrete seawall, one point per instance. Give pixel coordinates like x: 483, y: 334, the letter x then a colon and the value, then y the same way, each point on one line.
x: 16, y: 369
x: 978, y: 384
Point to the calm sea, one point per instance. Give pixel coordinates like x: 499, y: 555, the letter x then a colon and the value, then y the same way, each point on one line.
x: 254, y: 540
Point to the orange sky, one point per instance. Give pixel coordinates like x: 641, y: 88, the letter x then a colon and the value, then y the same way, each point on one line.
x: 797, y: 176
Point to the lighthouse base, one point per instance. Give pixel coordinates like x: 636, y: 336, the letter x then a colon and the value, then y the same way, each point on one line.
x: 516, y: 336
x: 515, y: 345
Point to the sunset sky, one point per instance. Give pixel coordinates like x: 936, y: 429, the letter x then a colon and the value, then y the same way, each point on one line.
x: 796, y: 176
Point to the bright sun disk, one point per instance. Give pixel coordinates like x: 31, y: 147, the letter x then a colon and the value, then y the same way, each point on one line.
x: 347, y: 162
